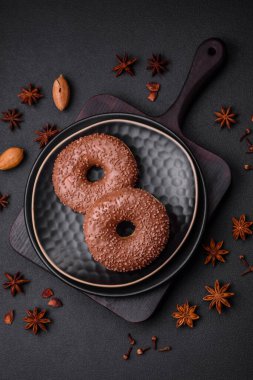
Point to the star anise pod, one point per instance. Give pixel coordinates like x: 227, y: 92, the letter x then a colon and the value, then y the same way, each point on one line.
x: 225, y: 117
x: 3, y: 201
x: 13, y: 117
x: 185, y: 315
x: 214, y: 252
x: 125, y: 65
x: 157, y: 64
x: 46, y: 134
x: 241, y: 227
x: 15, y: 283
x: 218, y: 296
x: 30, y: 95
x: 35, y: 320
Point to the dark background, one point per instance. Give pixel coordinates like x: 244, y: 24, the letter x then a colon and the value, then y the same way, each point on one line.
x: 41, y: 39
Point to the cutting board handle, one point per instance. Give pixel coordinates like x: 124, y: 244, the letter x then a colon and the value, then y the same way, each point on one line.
x: 209, y: 57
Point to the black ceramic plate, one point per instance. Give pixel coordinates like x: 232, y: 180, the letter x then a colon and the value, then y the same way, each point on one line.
x: 56, y: 226
x: 168, y: 272
x: 165, y: 170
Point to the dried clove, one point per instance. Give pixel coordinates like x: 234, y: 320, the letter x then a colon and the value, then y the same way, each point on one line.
x: 246, y: 133
x: 250, y: 146
x: 127, y: 355
x: 164, y: 349
x: 154, y: 341
x: 131, y: 340
x: 141, y: 351
x: 248, y: 167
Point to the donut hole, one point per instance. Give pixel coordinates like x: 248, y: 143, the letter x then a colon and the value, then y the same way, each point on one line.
x: 125, y: 228
x: 94, y: 174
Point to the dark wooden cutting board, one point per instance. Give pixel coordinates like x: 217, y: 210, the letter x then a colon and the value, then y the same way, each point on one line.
x: 209, y: 57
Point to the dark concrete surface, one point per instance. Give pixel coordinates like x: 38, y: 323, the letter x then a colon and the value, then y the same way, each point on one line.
x: 41, y: 39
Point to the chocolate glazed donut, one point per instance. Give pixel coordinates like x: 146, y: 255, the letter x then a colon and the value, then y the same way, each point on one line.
x: 126, y: 253
x: 70, y: 180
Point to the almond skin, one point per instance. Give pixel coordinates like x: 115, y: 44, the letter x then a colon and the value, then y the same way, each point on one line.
x: 55, y: 302
x: 11, y: 158
x: 9, y: 317
x: 47, y: 293
x: 61, y: 93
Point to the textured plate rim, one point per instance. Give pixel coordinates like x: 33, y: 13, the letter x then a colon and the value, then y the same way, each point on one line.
x: 101, y: 123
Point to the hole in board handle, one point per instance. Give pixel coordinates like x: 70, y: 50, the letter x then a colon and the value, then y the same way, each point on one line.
x: 211, y: 51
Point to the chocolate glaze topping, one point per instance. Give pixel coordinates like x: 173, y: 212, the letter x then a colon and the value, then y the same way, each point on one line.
x: 123, y: 254
x: 72, y: 164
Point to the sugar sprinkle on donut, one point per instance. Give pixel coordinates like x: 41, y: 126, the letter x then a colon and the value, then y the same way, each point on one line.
x: 144, y: 245
x: 71, y: 166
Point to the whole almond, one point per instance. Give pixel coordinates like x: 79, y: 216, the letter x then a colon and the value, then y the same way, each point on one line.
x: 11, y: 158
x: 61, y: 93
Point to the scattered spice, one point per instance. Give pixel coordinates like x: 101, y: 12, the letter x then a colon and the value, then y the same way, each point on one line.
x: 154, y: 341
x: 55, y: 302
x: 30, y: 95
x: 247, y: 167
x: 47, y: 293
x: 245, y: 262
x: 214, y: 252
x: 225, y: 117
x: 13, y: 117
x: 185, y: 315
x: 141, y: 351
x: 35, y: 320
x: 3, y: 201
x: 131, y: 339
x: 127, y: 355
x: 246, y: 133
x: 11, y: 158
x: 125, y: 65
x: 153, y: 88
x: 9, y: 317
x: 250, y: 146
x: 61, y: 93
x: 164, y: 349
x: 218, y: 296
x: 241, y: 227
x: 46, y: 134
x: 157, y: 64
x: 15, y: 283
